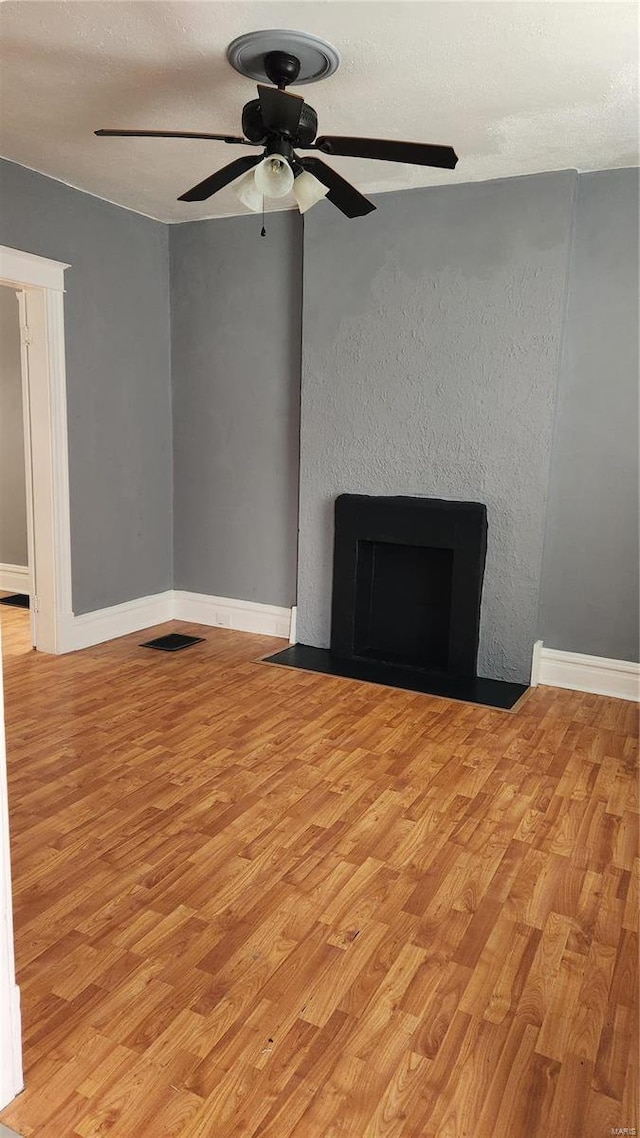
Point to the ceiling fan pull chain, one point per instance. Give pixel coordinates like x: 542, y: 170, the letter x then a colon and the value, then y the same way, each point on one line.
x: 263, y: 232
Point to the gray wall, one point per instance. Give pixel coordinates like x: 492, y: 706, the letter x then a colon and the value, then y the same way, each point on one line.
x: 118, y: 380
x: 235, y: 314
x: 590, y: 579
x: 13, y: 495
x: 431, y: 334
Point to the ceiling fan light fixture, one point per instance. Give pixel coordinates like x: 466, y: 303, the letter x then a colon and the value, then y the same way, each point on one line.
x: 274, y: 176
x: 308, y: 190
x: 248, y: 193
x: 280, y: 123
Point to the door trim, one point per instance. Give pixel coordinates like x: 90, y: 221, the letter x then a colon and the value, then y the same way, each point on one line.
x: 11, y: 1075
x: 40, y: 281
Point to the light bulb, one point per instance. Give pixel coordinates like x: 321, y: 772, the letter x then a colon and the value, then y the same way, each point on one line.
x: 308, y: 190
x: 274, y: 176
x: 248, y: 193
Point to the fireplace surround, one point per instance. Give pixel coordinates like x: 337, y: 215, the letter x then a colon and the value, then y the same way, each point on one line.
x: 407, y: 581
x: 406, y: 600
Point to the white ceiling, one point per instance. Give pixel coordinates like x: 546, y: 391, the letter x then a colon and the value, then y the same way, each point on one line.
x: 515, y: 87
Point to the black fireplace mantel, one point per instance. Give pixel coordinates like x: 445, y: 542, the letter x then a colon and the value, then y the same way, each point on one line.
x: 407, y: 581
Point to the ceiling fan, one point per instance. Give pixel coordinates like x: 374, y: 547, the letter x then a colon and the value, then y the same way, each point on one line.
x: 281, y: 123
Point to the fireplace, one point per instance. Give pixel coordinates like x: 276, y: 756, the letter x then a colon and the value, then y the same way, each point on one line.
x: 407, y: 592
x: 407, y: 581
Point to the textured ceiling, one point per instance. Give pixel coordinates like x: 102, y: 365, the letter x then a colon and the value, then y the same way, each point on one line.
x: 515, y: 87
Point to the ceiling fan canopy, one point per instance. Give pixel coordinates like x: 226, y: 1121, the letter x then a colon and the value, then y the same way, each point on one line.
x: 280, y: 123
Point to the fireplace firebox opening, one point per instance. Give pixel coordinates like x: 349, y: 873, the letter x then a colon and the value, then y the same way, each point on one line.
x: 403, y: 604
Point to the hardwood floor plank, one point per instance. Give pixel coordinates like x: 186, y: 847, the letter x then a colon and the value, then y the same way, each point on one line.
x: 259, y: 903
x: 522, y: 1089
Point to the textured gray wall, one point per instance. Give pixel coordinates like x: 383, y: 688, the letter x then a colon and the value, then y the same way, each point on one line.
x: 431, y: 334
x: 13, y: 494
x: 235, y: 316
x: 118, y: 380
x: 590, y: 578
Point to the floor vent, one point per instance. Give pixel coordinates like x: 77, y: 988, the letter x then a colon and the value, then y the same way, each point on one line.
x: 173, y: 642
x: 17, y: 600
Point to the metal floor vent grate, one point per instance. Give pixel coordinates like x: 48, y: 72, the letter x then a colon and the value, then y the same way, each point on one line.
x: 18, y: 601
x: 173, y: 642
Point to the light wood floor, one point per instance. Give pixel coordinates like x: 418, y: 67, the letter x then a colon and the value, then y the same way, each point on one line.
x: 251, y: 901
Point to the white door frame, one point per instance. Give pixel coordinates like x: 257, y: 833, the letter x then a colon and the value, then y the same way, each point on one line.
x: 40, y: 285
x: 11, y: 1077
x: 28, y: 464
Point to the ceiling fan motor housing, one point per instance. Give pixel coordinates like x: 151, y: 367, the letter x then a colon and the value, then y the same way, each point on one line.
x: 255, y: 131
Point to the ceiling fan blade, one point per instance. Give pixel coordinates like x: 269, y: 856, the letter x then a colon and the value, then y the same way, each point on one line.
x: 390, y: 150
x: 341, y: 193
x: 220, y: 179
x: 280, y: 111
x: 170, y: 134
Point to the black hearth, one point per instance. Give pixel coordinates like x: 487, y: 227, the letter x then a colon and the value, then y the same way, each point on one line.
x: 407, y: 589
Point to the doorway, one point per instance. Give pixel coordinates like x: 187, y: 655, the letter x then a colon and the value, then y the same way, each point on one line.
x: 37, y: 285
x: 16, y: 529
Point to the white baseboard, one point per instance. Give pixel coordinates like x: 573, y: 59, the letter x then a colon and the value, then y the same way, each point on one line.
x: 226, y: 612
x: 535, y: 664
x: 595, y: 674
x: 573, y: 670
x: 91, y: 628
x: 107, y: 624
x: 11, y: 1075
x: 293, y: 625
x: 15, y: 578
